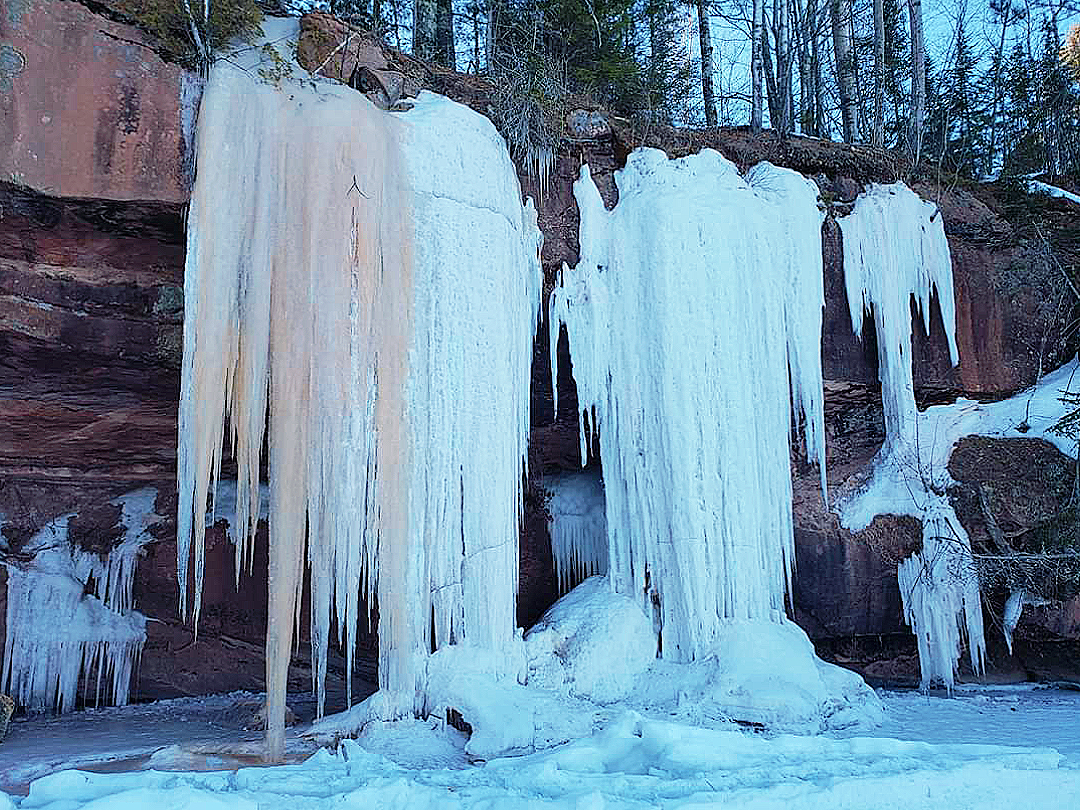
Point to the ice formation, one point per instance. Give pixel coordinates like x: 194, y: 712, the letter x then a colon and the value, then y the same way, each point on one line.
x: 577, y: 526
x: 69, y: 613
x: 332, y: 300
x: 895, y: 249
x: 940, y: 591
x: 694, y: 319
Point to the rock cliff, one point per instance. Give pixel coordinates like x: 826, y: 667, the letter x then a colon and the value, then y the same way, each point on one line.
x: 95, y: 168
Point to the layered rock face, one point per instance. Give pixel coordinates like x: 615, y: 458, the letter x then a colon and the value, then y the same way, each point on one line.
x: 95, y: 171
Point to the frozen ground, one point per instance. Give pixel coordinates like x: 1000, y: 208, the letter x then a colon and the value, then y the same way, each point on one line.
x: 982, y: 748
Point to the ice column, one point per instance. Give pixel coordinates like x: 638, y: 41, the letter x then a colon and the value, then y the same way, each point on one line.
x: 694, y: 319
x: 69, y: 613
x: 895, y: 249
x: 363, y: 287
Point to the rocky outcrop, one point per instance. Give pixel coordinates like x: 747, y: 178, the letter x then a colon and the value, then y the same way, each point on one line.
x: 95, y: 161
x: 88, y: 109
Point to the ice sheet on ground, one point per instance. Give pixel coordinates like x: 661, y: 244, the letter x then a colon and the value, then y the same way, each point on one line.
x: 635, y: 762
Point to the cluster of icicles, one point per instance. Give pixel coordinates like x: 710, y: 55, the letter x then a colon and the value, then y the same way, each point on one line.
x: 340, y: 313
x: 334, y: 300
x: 70, y: 617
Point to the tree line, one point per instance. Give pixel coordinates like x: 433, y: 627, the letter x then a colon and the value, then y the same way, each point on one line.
x: 1000, y: 96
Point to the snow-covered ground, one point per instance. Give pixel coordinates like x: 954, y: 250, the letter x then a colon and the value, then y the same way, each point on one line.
x: 984, y: 747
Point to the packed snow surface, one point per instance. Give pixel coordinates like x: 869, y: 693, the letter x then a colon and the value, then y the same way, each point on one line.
x: 341, y: 299
x: 70, y: 616
x: 694, y: 319
x: 979, y: 749
x: 577, y: 525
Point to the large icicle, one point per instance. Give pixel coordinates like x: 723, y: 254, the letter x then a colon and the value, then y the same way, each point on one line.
x: 69, y: 613
x: 940, y: 592
x: 895, y: 249
x: 328, y: 284
x: 694, y: 319
x: 577, y: 525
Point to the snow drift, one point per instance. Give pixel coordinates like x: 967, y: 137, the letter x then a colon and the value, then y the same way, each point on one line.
x: 338, y: 312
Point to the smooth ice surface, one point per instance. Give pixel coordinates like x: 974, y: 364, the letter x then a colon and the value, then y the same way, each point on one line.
x: 694, y: 319
x: 577, y: 526
x: 343, y: 301
x: 69, y: 613
x: 978, y: 750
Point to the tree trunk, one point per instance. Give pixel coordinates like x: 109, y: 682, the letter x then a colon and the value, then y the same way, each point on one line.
x: 707, y: 94
x: 840, y: 11
x: 818, y: 118
x: 879, y: 74
x: 780, y: 10
x: 757, y: 30
x: 444, y: 33
x: 424, y: 15
x: 770, y: 80
x: 801, y: 32
x: 918, y: 80
x: 996, y: 106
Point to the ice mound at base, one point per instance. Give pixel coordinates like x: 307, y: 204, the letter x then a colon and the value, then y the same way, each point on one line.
x: 599, y: 645
x: 593, y: 642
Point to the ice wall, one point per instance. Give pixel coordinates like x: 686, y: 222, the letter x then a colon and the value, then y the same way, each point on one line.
x: 895, y: 250
x: 362, y: 286
x: 694, y: 319
x: 577, y: 526
x: 69, y: 613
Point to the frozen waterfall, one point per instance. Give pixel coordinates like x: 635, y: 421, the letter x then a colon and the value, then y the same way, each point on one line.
x: 70, y: 616
x: 342, y: 264
x: 895, y: 249
x: 694, y: 319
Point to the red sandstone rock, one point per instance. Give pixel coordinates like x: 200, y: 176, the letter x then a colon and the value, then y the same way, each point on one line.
x: 87, y: 109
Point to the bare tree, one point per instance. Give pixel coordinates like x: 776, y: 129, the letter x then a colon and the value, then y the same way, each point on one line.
x: 444, y: 33
x: 840, y: 12
x: 424, y: 15
x: 707, y: 93
x: 878, y: 138
x: 757, y: 31
x: 918, y: 80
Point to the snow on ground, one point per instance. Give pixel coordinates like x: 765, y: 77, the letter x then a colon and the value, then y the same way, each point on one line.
x: 983, y: 748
